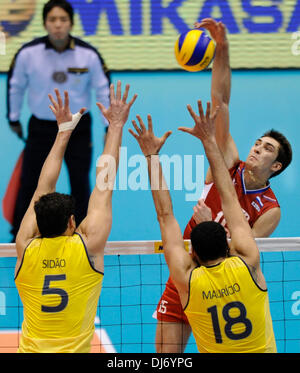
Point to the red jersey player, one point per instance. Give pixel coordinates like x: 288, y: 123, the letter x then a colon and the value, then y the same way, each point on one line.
x: 268, y: 157
x: 254, y: 203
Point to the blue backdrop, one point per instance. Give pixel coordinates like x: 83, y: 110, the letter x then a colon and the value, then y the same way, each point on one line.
x: 260, y: 100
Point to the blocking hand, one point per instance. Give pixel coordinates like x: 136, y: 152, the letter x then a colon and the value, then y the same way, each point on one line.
x: 148, y: 142
x: 204, y: 124
x: 118, y: 111
x: 61, y: 109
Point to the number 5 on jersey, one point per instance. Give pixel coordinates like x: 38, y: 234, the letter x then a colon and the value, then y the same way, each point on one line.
x: 62, y: 293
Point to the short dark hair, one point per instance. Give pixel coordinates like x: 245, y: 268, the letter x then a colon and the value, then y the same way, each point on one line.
x: 65, y: 5
x: 285, y: 153
x: 209, y: 241
x: 53, y: 211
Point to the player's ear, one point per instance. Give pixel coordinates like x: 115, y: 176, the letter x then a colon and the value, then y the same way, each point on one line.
x: 195, y: 257
x: 72, y: 222
x: 276, y: 166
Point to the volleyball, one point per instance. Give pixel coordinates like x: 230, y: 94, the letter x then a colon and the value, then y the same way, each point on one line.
x: 194, y: 50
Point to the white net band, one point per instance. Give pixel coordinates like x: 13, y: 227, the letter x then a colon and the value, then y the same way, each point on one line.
x: 156, y: 247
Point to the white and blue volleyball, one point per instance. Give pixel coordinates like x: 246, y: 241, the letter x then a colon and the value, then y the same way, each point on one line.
x: 194, y: 50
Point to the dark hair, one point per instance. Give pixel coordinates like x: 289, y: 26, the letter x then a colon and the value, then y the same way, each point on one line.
x: 53, y: 211
x: 65, y: 5
x: 209, y: 241
x: 285, y: 150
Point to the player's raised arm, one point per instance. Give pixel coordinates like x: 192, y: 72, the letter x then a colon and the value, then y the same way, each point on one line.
x: 178, y: 260
x: 95, y: 228
x: 52, y: 166
x: 221, y: 90
x: 242, y: 241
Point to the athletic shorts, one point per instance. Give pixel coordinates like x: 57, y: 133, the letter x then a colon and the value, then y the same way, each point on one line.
x: 169, y: 308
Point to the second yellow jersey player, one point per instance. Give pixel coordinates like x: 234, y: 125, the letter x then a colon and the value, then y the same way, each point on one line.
x: 228, y: 311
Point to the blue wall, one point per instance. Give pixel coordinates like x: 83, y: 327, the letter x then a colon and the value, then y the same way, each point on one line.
x: 260, y: 100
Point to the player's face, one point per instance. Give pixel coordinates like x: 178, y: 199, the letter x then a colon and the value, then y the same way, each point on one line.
x: 58, y: 24
x: 263, y: 154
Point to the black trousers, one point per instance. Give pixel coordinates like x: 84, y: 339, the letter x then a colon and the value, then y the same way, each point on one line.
x: 41, y: 136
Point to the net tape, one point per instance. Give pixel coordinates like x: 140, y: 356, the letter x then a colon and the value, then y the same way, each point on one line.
x: 156, y: 247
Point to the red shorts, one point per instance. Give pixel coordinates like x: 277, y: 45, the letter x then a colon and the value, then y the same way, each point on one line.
x: 169, y: 308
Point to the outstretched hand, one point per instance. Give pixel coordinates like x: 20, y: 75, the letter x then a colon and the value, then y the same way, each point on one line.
x: 204, y: 124
x: 148, y: 142
x: 62, y: 110
x: 118, y: 111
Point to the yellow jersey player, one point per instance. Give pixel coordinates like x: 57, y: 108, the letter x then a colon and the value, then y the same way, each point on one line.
x: 59, y: 269
x: 221, y: 287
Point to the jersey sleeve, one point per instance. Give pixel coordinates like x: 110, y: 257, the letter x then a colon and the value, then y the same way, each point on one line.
x: 16, y: 86
x: 100, y: 81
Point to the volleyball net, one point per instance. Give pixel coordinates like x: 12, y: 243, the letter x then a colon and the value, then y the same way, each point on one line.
x: 134, y: 280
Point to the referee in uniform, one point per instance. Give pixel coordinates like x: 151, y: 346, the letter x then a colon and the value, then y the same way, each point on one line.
x: 61, y: 61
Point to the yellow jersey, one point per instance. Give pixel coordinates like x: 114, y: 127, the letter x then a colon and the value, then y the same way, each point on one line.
x: 59, y: 289
x: 228, y: 311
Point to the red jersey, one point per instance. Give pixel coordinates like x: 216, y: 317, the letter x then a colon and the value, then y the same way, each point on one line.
x: 254, y: 203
